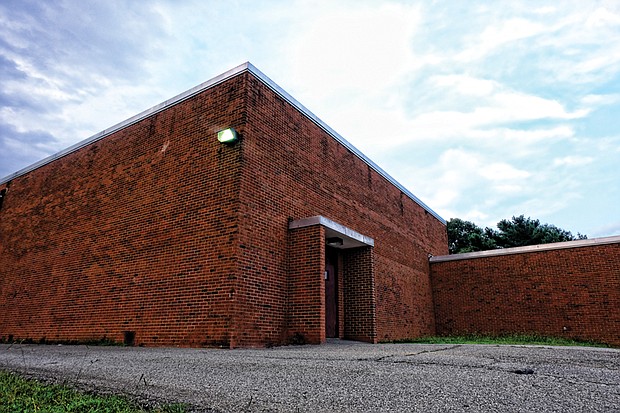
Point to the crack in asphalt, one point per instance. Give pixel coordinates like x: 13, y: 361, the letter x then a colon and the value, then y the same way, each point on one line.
x: 408, y: 354
x: 525, y: 371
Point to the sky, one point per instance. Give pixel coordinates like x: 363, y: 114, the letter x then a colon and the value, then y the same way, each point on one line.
x: 484, y: 110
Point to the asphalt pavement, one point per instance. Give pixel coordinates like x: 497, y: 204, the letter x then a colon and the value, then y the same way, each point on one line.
x: 340, y: 376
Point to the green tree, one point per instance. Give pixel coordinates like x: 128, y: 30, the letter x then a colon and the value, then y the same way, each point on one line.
x: 465, y: 236
x: 521, y: 231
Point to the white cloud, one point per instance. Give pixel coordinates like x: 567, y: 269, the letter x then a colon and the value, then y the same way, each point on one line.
x: 500, y: 102
x: 501, y: 171
x: 515, y: 106
x: 545, y: 10
x: 466, y: 85
x: 572, y: 161
x: 586, y: 46
x: 603, y: 17
x: 533, y: 136
x: 485, y: 107
x: 600, y: 99
x: 354, y: 49
x: 461, y: 176
x: 608, y: 230
x: 500, y: 34
x: 21, y: 148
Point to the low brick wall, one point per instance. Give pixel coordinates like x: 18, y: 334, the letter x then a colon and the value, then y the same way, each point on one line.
x: 569, y: 290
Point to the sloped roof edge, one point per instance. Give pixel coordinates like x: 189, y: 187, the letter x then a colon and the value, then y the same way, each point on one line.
x: 245, y: 67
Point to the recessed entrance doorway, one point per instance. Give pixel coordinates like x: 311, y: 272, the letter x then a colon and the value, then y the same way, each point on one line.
x: 331, y: 293
x: 332, y: 288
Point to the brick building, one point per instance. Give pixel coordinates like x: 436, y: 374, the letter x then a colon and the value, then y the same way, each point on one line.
x: 231, y: 216
x: 159, y: 232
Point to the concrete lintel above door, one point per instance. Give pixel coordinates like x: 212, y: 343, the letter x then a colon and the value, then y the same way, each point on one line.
x: 334, y: 230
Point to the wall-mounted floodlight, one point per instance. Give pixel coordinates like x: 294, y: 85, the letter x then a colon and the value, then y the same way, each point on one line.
x: 228, y: 136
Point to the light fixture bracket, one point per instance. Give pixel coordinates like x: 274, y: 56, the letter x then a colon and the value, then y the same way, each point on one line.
x: 334, y: 241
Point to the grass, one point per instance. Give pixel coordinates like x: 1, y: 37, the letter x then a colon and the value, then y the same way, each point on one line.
x: 518, y: 339
x: 21, y: 395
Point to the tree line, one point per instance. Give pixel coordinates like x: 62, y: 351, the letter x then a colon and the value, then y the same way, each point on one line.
x: 465, y: 236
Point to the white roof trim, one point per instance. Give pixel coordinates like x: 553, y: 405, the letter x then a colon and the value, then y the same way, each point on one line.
x: 204, y: 86
x: 328, y: 223
x: 531, y: 248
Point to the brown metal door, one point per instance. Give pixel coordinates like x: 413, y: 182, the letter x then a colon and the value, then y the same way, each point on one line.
x: 331, y: 295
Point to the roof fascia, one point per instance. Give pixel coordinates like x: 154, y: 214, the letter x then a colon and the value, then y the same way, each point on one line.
x: 592, y: 242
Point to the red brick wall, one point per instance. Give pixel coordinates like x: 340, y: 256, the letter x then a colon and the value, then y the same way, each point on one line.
x: 359, y: 294
x: 292, y: 170
x: 136, y: 232
x: 572, y: 293
x: 160, y: 230
x: 306, y: 314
